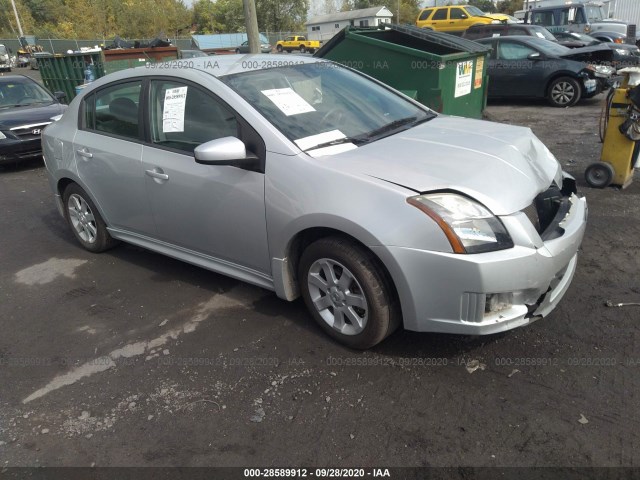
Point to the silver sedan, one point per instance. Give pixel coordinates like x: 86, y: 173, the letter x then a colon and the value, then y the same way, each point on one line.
x: 310, y: 179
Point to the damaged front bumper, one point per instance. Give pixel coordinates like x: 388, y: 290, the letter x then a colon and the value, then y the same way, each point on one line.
x: 491, y: 292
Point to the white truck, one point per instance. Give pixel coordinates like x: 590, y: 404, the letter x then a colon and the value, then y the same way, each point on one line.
x: 584, y: 16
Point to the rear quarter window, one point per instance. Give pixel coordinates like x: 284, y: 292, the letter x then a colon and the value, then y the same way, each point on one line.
x: 425, y: 14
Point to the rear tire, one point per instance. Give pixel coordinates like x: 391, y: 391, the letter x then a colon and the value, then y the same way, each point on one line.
x: 303, y: 49
x: 85, y: 221
x: 564, y: 92
x: 348, y: 293
x: 279, y: 48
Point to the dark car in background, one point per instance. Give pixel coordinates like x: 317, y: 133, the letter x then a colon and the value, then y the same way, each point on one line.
x: 244, y: 47
x: 509, y: 29
x: 529, y: 67
x: 25, y: 109
x: 624, y: 55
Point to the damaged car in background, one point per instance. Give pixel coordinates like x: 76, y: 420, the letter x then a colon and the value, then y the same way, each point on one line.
x: 313, y: 180
x: 531, y: 67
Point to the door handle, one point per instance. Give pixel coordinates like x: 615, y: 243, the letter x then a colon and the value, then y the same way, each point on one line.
x: 83, y: 152
x: 158, y: 175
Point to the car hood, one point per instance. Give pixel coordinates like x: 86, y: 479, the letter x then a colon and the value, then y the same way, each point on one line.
x: 590, y: 54
x: 14, y: 117
x: 502, y: 166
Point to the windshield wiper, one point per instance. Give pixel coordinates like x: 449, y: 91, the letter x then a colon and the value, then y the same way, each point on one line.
x: 367, y: 137
x: 337, y: 141
x: 396, y: 124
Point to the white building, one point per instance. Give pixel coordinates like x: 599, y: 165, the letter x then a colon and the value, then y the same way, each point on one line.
x: 324, y: 27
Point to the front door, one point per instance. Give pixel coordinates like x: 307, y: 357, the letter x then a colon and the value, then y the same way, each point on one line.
x: 217, y: 211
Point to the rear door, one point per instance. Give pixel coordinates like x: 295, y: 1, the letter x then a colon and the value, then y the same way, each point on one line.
x: 439, y: 20
x: 108, y: 152
x: 215, y: 211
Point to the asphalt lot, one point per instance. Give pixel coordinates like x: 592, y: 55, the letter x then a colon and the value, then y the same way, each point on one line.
x: 131, y: 358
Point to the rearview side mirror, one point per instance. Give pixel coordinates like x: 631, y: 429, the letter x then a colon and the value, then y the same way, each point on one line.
x: 225, y: 151
x: 60, y: 95
x: 534, y: 56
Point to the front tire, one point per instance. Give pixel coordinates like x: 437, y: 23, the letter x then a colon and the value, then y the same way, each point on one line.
x: 564, y: 92
x: 348, y: 293
x: 303, y: 49
x: 85, y: 221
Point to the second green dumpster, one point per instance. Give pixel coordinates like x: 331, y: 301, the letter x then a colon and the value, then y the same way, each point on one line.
x: 443, y: 72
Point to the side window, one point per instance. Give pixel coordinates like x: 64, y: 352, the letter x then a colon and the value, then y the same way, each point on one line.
x: 441, y: 14
x: 457, y: 14
x: 114, y: 110
x: 513, y: 51
x: 580, y: 16
x: 425, y: 14
x: 183, y: 116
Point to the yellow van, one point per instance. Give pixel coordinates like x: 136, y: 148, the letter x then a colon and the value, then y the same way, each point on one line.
x: 457, y: 18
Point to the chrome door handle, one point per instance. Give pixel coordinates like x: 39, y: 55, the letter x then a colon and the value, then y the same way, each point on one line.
x: 83, y: 152
x: 158, y: 175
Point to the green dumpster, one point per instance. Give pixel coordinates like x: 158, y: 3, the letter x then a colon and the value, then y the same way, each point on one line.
x: 64, y: 72
x: 443, y: 72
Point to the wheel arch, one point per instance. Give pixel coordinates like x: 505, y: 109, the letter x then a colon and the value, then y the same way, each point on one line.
x: 285, y: 271
x: 64, y: 181
x: 560, y: 74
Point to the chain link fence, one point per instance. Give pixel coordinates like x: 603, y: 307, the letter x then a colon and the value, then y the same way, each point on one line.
x: 56, y: 45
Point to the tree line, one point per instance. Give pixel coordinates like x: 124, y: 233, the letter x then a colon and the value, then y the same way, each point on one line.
x: 138, y: 19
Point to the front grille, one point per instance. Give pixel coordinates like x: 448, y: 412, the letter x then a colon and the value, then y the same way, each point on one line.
x: 29, y: 132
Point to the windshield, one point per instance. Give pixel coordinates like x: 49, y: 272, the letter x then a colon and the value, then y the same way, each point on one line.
x: 14, y: 94
x: 318, y: 103
x: 474, y: 11
x: 543, y: 33
x: 594, y: 14
x: 3, y: 50
x: 551, y: 48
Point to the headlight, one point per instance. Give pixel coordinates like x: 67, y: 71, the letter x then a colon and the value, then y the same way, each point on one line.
x: 2, y: 136
x: 493, y: 22
x: 622, y: 51
x: 469, y: 226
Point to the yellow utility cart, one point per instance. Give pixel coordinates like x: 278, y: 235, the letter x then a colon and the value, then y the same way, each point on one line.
x: 619, y: 152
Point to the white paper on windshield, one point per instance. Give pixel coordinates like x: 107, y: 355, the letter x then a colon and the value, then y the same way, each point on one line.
x: 173, y: 111
x: 313, y: 140
x: 332, y: 150
x: 288, y: 101
x: 540, y: 34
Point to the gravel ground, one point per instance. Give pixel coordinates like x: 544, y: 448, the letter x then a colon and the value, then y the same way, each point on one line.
x: 129, y: 358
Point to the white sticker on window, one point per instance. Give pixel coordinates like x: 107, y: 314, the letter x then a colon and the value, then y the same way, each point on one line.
x: 173, y: 112
x: 313, y: 140
x: 288, y: 101
x: 540, y: 34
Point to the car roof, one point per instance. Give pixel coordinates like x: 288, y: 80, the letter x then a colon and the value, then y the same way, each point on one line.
x: 16, y: 78
x: 222, y: 65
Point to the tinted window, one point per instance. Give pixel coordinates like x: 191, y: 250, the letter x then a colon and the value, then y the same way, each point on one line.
x: 183, y: 116
x: 515, y: 31
x: 441, y: 14
x: 513, y: 51
x: 425, y: 14
x: 115, y: 110
x: 457, y: 14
